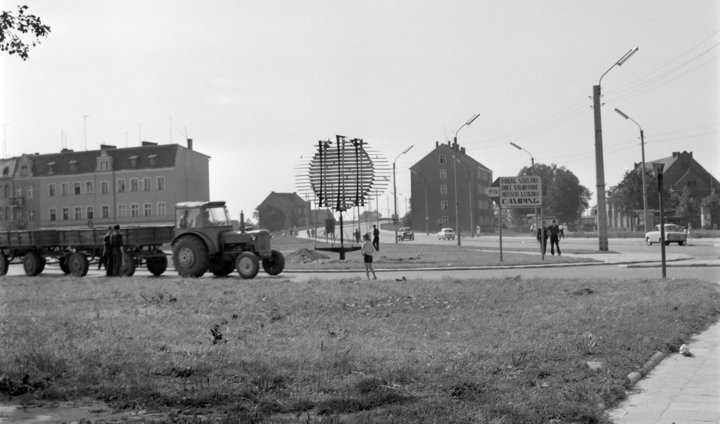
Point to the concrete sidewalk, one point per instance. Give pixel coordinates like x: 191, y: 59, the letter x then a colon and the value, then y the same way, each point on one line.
x: 681, y: 389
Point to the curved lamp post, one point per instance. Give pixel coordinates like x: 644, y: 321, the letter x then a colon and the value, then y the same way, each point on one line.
x: 457, y: 221
x: 599, y: 165
x: 395, y: 192
x: 642, y: 148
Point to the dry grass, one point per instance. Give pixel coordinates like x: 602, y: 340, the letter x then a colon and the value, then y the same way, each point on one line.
x: 481, y: 351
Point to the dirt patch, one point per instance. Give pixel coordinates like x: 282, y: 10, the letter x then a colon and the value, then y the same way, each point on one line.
x: 303, y: 256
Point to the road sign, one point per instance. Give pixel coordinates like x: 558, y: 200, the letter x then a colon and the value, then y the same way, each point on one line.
x: 520, y: 192
x: 492, y: 191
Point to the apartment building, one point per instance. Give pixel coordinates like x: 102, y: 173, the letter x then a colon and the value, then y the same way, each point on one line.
x: 135, y: 185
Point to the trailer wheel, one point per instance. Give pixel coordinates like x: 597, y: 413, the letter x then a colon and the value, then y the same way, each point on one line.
x: 127, y: 269
x: 247, y: 265
x: 4, y: 264
x: 275, y: 264
x: 157, y: 265
x: 190, y: 257
x: 32, y: 262
x: 221, y: 269
x: 77, y: 263
x: 64, y: 265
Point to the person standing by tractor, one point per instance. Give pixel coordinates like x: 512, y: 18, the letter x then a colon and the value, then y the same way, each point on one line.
x: 116, y: 242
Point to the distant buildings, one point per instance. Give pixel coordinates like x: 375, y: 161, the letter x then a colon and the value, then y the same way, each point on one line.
x: 134, y: 185
x: 281, y: 211
x: 434, y: 180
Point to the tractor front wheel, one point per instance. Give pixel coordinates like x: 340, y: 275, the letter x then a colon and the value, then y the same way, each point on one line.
x: 190, y: 257
x: 275, y: 264
x: 157, y: 264
x: 247, y: 265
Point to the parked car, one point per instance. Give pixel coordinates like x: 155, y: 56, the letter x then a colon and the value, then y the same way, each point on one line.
x: 446, y: 234
x: 405, y: 233
x: 673, y: 234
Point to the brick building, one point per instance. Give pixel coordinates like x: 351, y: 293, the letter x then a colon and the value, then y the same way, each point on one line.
x: 134, y: 185
x: 432, y: 185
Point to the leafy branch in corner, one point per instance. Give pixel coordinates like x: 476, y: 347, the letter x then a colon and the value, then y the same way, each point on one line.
x: 19, y: 32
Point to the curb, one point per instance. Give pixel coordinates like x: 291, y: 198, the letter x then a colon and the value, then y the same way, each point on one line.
x: 635, y: 376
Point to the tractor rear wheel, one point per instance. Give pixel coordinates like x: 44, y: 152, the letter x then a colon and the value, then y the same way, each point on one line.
x: 77, y: 263
x: 275, y: 264
x: 4, y: 264
x: 32, y: 262
x: 247, y: 265
x: 190, y: 257
x: 157, y: 264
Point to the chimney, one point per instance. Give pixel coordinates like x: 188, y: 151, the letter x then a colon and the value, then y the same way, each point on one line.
x: 190, y: 143
x: 148, y: 143
x: 107, y: 146
x: 462, y: 150
x: 437, y: 144
x: 66, y: 150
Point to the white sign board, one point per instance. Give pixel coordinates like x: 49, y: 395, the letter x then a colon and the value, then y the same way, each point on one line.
x: 520, y: 192
x: 492, y: 191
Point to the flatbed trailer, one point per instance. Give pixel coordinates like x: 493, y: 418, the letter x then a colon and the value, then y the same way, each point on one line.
x: 76, y: 249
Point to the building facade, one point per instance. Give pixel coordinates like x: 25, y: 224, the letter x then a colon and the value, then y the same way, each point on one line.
x: 134, y: 185
x: 280, y: 211
x: 434, y: 182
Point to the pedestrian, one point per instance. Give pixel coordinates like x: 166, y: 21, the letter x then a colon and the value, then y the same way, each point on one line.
x: 376, y: 238
x: 554, y: 232
x: 116, y: 242
x: 367, y: 251
x: 105, y: 258
x: 542, y: 238
x: 356, y: 234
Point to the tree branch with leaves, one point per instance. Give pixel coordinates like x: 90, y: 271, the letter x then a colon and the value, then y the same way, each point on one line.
x: 20, y: 31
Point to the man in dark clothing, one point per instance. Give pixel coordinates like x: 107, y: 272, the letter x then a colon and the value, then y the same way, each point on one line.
x: 116, y: 241
x: 376, y: 238
x: 554, y: 231
x: 106, y: 253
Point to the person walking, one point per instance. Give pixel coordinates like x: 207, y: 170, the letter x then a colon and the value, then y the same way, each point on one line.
x: 105, y: 258
x: 116, y: 242
x: 376, y: 238
x: 554, y: 233
x: 367, y: 251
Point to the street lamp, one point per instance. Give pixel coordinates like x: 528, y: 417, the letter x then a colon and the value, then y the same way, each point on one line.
x: 427, y: 217
x: 395, y: 218
x: 659, y: 171
x: 457, y: 221
x: 642, y: 148
x: 532, y: 163
x: 599, y: 165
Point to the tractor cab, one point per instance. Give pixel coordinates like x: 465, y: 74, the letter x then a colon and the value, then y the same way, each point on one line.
x: 201, y: 215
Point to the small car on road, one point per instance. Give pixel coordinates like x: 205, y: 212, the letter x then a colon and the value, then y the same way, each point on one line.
x: 405, y: 233
x: 446, y: 234
x: 673, y: 234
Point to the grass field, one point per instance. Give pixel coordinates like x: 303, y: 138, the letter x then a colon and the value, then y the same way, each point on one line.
x: 351, y: 351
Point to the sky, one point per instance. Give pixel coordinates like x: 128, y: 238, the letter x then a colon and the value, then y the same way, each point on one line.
x: 256, y: 84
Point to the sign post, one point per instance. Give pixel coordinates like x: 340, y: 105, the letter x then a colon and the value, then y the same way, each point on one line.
x: 516, y: 192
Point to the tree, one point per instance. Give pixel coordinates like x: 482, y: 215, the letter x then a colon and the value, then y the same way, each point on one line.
x: 628, y: 194
x: 562, y: 194
x: 686, y: 205
x: 712, y: 203
x: 21, y: 31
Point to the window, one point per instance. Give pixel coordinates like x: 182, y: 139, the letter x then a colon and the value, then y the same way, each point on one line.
x: 24, y: 171
x: 18, y: 192
x: 105, y: 164
x: 121, y: 185
x: 443, y: 159
x: 104, y: 187
x: 6, y: 171
x: 90, y: 212
x: 147, y: 209
x: 29, y: 192
x: 65, y: 214
x: 64, y: 188
x: 78, y: 213
x: 443, y: 190
x: 161, y: 209
x: 153, y: 160
x: 51, y: 190
x: 122, y: 211
x: 147, y: 183
x: 52, y: 214
x: 443, y: 174
x: 133, y: 162
x: 160, y: 183
x: 31, y: 216
x: 445, y: 221
x: 73, y: 166
x: 133, y: 184
x: 105, y: 211
x: 89, y: 187
x: 134, y: 210
x: 51, y: 168
x: 443, y: 205
x: 77, y: 188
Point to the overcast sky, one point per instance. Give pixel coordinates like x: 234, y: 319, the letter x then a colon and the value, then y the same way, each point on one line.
x: 257, y: 83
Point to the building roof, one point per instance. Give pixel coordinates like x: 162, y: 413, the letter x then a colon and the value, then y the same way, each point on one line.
x: 284, y: 199
x: 460, y: 154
